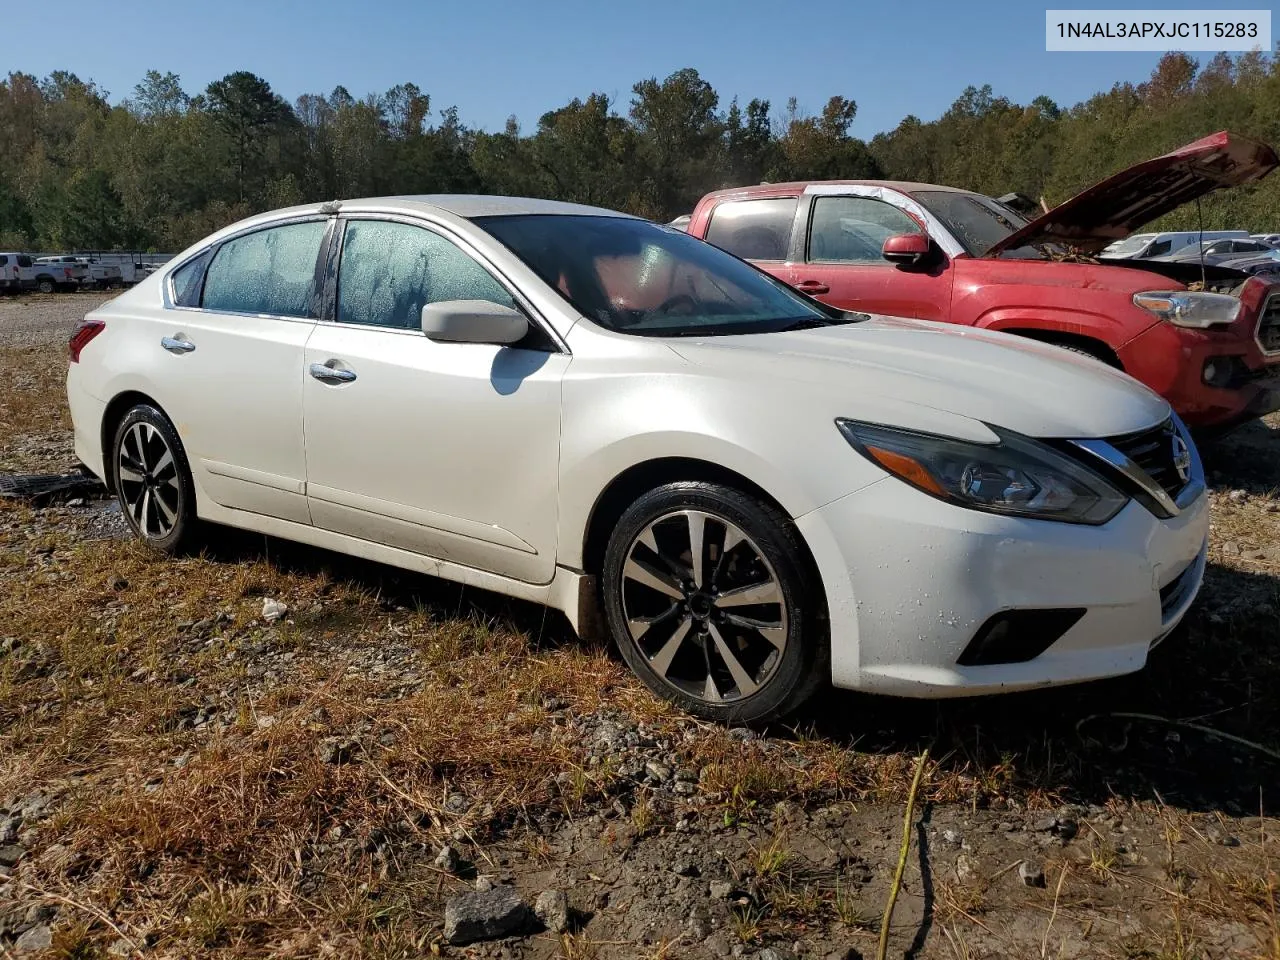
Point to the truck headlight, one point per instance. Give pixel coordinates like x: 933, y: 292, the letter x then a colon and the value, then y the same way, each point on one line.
x: 1190, y: 308
x: 1017, y: 476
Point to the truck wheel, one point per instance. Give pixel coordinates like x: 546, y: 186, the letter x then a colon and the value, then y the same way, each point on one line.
x: 45, y: 286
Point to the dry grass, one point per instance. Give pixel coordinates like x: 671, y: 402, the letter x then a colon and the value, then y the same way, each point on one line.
x: 188, y: 743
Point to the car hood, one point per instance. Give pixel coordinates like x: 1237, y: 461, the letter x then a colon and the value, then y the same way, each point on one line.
x: 906, y: 372
x: 1126, y: 201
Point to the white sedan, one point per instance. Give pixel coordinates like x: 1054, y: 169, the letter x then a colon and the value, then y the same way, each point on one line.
x: 596, y: 412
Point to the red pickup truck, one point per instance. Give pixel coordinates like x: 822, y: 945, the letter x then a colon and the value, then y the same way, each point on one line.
x: 1206, y: 338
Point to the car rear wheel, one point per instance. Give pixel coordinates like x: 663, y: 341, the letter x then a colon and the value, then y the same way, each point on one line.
x: 153, y: 480
x: 706, y: 596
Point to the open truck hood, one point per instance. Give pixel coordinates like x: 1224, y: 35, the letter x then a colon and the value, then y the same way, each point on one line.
x: 1124, y: 202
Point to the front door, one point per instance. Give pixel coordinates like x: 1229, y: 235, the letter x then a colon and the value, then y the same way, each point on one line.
x: 450, y: 450
x: 843, y: 265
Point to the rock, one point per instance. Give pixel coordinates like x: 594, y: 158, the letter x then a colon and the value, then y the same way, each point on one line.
x: 1032, y: 874
x: 76, y: 502
x: 1255, y: 555
x: 336, y: 751
x: 658, y: 771
x: 10, y: 855
x: 775, y: 953
x: 120, y: 947
x: 1066, y: 829
x: 953, y: 837
x: 1231, y: 549
x: 966, y: 869
x: 9, y: 829
x: 37, y: 938
x: 699, y: 928
x: 484, y: 882
x: 448, y: 860
x: 1238, y: 496
x: 552, y: 908
x: 720, y: 889
x: 456, y: 803
x: 1045, y: 824
x: 273, y: 610
x: 685, y: 868
x: 485, y: 916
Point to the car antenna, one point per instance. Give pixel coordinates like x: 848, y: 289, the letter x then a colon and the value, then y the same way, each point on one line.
x: 1200, y: 219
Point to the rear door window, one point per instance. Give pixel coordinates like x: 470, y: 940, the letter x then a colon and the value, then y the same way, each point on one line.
x: 270, y: 271
x: 753, y: 229
x: 1160, y: 248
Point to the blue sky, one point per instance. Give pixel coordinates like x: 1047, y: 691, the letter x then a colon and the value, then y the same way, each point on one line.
x: 497, y: 58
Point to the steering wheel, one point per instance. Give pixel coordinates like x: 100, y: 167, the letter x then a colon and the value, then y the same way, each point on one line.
x: 672, y: 302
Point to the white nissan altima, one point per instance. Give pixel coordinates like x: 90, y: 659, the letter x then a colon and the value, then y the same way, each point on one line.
x: 596, y: 412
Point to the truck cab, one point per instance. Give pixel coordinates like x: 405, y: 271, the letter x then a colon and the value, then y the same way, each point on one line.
x: 1206, y: 338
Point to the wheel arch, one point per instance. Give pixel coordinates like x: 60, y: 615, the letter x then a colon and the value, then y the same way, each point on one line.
x: 115, y: 411
x: 647, y: 475
x: 1077, y: 341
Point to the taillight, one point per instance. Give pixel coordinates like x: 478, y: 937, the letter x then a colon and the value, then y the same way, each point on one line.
x: 87, y: 330
x: 66, y: 272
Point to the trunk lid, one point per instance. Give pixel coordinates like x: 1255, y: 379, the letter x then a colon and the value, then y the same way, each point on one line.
x: 1117, y: 206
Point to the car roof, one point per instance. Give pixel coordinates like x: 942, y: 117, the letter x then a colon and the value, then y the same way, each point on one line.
x: 798, y: 186
x: 481, y: 205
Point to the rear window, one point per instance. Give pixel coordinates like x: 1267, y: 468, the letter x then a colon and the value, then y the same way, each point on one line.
x: 24, y: 260
x: 753, y: 229
x: 3, y: 260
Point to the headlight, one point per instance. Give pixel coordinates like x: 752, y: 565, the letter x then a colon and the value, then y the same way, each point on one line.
x: 1015, y: 476
x: 1190, y: 308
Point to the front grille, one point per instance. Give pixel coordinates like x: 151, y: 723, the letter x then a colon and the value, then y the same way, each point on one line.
x: 1153, y: 451
x: 1269, y: 325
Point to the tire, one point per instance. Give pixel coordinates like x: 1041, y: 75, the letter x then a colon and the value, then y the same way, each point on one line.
x: 46, y: 286
x: 683, y: 623
x: 153, y: 480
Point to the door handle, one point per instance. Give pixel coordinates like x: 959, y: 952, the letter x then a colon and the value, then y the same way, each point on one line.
x: 327, y: 374
x: 812, y: 286
x: 177, y: 345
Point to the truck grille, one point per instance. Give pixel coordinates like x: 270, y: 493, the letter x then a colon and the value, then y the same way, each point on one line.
x: 1269, y: 325
x: 1152, y: 450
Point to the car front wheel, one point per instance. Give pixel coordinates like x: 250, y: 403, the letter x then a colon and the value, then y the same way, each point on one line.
x: 706, y: 595
x: 153, y: 480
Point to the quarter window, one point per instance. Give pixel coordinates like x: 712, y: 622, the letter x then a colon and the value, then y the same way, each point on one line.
x: 186, y: 282
x: 390, y: 271
x: 272, y: 271
x: 753, y: 229
x: 854, y: 229
x: 1159, y: 249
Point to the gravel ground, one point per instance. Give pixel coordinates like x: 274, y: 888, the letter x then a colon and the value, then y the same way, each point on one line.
x: 271, y: 750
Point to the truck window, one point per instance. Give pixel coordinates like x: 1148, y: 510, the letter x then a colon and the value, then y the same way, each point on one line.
x: 854, y: 229
x: 753, y: 229
x: 1159, y: 249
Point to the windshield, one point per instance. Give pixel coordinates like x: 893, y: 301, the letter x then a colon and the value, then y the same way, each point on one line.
x: 978, y: 222
x: 1128, y: 246
x: 637, y: 277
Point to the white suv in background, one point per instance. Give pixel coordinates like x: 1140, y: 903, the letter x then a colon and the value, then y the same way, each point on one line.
x: 17, y: 272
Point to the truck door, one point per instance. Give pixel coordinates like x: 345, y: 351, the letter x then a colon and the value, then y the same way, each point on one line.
x: 840, y: 260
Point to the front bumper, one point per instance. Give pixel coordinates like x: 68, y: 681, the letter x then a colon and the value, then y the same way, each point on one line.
x: 1171, y: 361
x: 910, y: 580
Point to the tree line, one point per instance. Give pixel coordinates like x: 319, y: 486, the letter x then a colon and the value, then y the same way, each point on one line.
x: 164, y: 168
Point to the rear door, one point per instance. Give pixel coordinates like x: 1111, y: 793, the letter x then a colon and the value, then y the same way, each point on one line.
x: 757, y: 229
x: 839, y: 259
x: 229, y: 349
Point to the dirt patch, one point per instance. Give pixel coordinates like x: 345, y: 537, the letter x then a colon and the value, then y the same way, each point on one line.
x: 185, y: 769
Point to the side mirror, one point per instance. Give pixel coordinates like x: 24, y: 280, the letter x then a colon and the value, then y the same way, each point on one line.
x: 473, y: 321
x: 905, y: 248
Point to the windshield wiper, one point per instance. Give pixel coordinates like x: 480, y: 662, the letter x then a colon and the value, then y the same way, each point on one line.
x: 809, y: 323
